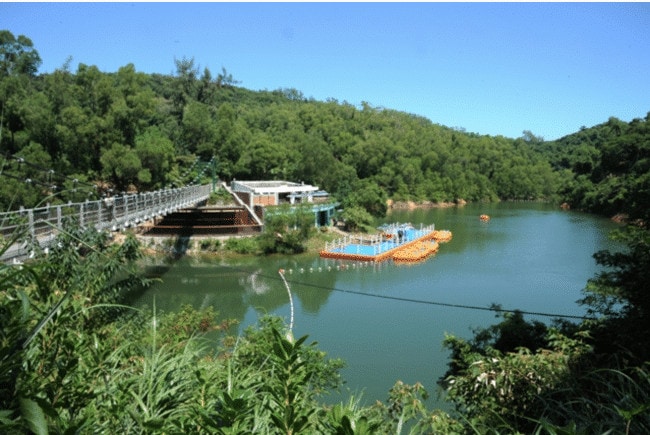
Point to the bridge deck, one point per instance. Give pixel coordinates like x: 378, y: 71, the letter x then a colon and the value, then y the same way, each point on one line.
x: 31, y: 229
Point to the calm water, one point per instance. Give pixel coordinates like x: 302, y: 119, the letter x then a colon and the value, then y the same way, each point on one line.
x: 530, y: 257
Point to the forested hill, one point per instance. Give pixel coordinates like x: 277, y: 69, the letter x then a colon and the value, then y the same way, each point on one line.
x: 607, y: 167
x: 133, y: 131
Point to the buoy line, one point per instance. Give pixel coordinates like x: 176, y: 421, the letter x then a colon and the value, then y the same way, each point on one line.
x: 445, y: 304
x: 420, y: 301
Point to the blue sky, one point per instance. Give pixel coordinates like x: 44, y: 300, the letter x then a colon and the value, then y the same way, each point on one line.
x: 490, y: 68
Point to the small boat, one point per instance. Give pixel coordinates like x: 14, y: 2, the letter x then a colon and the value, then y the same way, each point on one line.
x: 484, y: 217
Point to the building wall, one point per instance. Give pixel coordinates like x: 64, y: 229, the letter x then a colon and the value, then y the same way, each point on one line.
x: 264, y: 200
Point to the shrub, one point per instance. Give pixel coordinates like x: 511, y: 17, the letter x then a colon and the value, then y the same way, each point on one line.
x: 210, y: 245
x: 286, y: 229
x: 357, y: 219
x: 242, y: 245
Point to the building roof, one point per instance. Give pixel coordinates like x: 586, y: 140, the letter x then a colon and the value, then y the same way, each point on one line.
x: 275, y: 186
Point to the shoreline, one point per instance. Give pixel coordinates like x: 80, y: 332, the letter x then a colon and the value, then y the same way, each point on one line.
x: 214, y: 246
x: 412, y: 205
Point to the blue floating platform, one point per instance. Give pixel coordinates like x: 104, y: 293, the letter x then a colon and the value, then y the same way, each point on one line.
x: 378, y: 247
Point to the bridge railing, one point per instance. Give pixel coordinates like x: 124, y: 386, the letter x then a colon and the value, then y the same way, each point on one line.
x: 40, y: 226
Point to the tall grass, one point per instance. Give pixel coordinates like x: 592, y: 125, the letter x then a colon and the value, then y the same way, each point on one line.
x: 603, y: 400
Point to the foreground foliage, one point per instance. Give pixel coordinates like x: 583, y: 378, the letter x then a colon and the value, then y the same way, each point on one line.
x: 592, y: 377
x: 74, y: 360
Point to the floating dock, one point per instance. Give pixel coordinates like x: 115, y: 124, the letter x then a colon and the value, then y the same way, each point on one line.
x: 401, y: 242
x: 417, y: 252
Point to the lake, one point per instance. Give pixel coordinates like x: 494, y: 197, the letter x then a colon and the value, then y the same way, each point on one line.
x: 388, y: 321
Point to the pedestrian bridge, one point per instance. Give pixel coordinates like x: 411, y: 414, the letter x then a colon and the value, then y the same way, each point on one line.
x: 25, y: 230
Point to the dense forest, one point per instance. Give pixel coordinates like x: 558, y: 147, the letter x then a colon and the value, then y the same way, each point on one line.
x: 74, y: 358
x: 608, y: 167
x: 132, y: 131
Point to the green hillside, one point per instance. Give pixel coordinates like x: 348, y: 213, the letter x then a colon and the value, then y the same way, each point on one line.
x: 133, y: 131
x: 606, y: 167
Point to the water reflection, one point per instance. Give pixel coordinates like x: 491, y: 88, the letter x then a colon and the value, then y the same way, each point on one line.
x: 233, y: 289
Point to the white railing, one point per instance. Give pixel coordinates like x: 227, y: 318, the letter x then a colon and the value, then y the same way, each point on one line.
x: 40, y: 226
x: 377, y: 241
x: 243, y: 204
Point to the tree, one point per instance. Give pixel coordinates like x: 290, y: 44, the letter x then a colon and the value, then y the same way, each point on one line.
x: 122, y: 166
x: 503, y: 392
x: 156, y: 153
x: 83, y: 138
x: 316, y: 164
x: 232, y: 134
x: 38, y: 122
x: 22, y: 184
x: 621, y: 296
x: 17, y: 55
x: 133, y: 106
x: 198, y: 130
x: 19, y: 62
x: 286, y: 229
x: 369, y: 196
x: 531, y: 139
x: 511, y: 333
x: 184, y: 86
x: 94, y: 91
x: 224, y: 78
x: 206, y: 88
x: 261, y: 159
x: 357, y: 219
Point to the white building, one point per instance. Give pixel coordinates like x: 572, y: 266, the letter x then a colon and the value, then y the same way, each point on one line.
x: 277, y: 192
x: 259, y: 194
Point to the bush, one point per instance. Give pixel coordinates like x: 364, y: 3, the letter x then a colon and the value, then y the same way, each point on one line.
x: 493, y: 389
x: 221, y: 196
x: 357, y: 219
x: 242, y: 245
x: 209, y: 245
x: 286, y: 229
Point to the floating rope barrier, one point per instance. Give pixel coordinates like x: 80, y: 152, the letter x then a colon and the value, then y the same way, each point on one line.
x: 405, y: 299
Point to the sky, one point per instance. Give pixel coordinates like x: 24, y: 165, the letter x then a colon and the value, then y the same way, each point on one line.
x: 487, y: 68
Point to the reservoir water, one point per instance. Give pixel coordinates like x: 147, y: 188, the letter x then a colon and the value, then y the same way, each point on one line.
x: 388, y: 321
